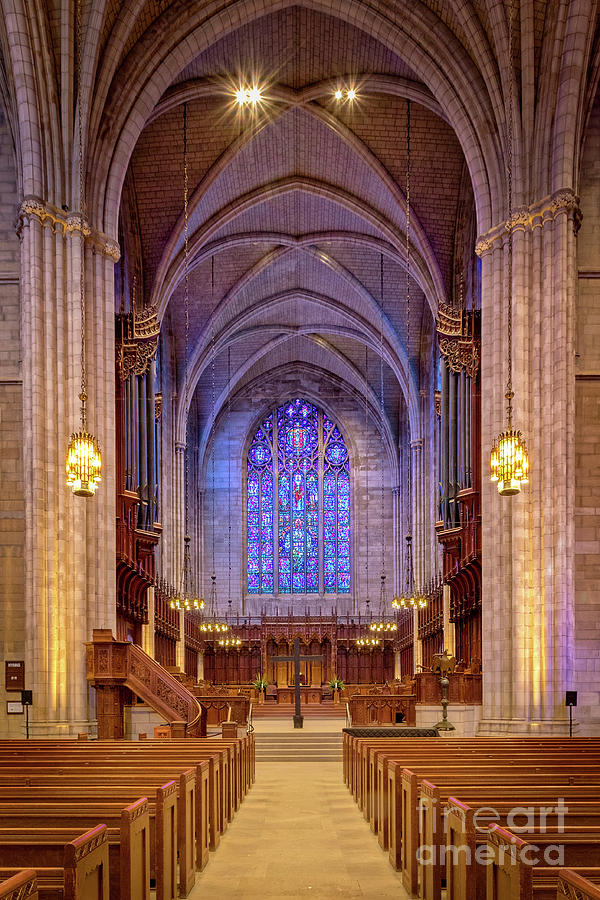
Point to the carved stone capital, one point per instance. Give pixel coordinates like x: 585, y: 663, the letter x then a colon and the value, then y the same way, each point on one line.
x: 561, y: 202
x: 65, y: 223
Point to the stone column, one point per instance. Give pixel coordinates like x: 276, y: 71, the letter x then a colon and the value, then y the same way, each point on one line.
x: 397, y: 664
x: 417, y: 645
x: 180, y: 646
x: 398, y: 541
x: 148, y: 630
x: 200, y: 665
x: 528, y: 539
x: 178, y: 506
x: 419, y: 543
x: 449, y: 630
x: 70, y: 541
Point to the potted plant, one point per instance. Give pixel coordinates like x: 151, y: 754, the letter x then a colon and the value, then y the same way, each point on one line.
x: 260, y: 685
x: 337, y: 685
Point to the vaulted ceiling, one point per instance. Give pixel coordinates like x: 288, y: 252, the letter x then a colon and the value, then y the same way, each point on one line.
x: 296, y: 208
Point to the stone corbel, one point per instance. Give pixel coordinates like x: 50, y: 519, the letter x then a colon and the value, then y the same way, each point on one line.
x: 62, y: 222
x: 562, y: 202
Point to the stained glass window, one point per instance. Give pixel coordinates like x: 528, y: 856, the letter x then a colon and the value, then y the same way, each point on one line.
x: 298, y: 503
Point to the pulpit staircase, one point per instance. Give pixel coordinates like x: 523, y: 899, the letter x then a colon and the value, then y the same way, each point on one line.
x: 120, y: 669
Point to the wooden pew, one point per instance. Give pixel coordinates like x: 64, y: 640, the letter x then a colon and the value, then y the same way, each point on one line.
x: 129, y: 864
x: 512, y: 871
x: 575, y: 886
x: 176, y: 817
x: 84, y: 874
x: 467, y: 826
x: 20, y: 886
x: 109, y: 764
x: 455, y: 777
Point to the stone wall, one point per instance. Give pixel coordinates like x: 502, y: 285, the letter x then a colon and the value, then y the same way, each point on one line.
x: 587, y: 440
x: 12, y: 507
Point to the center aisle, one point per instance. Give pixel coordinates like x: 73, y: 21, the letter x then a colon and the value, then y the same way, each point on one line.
x: 298, y: 832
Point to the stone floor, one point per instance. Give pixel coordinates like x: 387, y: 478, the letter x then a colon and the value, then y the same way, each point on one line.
x: 298, y: 833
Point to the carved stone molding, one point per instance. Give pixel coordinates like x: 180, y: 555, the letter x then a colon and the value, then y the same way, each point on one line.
x: 534, y: 216
x: 65, y: 223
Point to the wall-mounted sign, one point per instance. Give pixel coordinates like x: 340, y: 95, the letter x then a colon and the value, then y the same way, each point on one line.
x: 14, y: 674
x: 14, y: 708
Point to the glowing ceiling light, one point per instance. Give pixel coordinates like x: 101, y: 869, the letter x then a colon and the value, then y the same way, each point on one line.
x: 254, y: 95
x: 338, y: 94
x: 241, y: 96
x: 351, y: 94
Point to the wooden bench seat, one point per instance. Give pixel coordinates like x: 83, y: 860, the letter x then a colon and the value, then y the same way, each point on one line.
x: 20, y: 885
x: 189, y: 809
x: 578, y: 884
x: 124, y: 768
x: 81, y: 869
x: 510, y: 877
x: 170, y: 833
x: 466, y: 827
x: 404, y: 808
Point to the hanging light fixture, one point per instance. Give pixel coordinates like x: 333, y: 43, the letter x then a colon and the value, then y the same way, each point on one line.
x: 230, y: 642
x: 382, y: 624
x: 367, y: 643
x: 509, y: 460
x: 409, y: 597
x: 84, y: 460
x: 211, y: 623
x: 185, y: 600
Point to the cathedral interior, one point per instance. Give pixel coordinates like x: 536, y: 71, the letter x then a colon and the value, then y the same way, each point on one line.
x: 282, y: 285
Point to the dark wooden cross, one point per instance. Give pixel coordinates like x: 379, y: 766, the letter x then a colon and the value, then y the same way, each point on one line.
x: 296, y: 659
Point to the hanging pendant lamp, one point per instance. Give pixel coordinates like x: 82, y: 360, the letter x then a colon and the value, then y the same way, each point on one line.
x: 185, y: 600
x: 509, y: 460
x: 84, y: 460
x: 212, y: 625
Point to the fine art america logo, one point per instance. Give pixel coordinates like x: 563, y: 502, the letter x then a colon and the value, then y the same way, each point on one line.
x: 477, y: 836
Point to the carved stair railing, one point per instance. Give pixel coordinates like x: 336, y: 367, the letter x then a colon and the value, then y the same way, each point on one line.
x: 115, y: 668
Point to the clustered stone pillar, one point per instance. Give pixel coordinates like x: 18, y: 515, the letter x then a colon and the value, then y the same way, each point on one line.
x: 528, y: 539
x: 70, y: 541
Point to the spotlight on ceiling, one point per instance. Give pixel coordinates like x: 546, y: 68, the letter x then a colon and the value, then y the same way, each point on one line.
x: 245, y: 96
x: 338, y: 94
x: 254, y: 95
x: 351, y: 94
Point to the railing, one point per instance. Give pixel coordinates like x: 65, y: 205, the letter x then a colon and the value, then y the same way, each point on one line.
x: 249, y: 725
x: 348, y: 716
x: 114, y: 664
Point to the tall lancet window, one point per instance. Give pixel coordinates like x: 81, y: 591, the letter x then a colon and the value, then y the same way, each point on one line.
x: 298, y: 504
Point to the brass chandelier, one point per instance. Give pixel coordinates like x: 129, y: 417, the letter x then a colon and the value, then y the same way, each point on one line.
x: 409, y: 598
x: 367, y: 642
x: 509, y: 460
x: 382, y: 624
x: 84, y: 460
